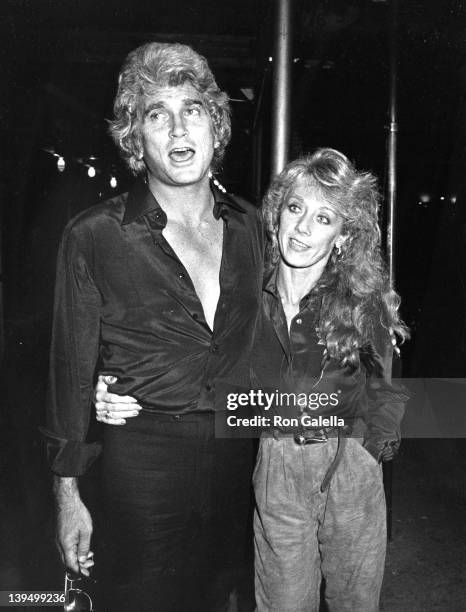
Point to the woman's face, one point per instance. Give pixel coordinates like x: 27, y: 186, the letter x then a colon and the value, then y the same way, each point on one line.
x: 308, y: 228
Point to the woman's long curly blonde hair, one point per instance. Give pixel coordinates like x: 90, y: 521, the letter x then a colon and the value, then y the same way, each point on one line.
x: 357, y: 296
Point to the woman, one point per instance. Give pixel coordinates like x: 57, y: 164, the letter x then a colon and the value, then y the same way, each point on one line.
x: 328, y: 322
x: 328, y: 319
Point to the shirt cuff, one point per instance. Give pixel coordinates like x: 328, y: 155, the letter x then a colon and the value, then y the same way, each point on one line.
x: 380, y: 449
x: 69, y: 457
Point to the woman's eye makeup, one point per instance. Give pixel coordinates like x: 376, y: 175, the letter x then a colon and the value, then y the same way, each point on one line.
x: 325, y: 219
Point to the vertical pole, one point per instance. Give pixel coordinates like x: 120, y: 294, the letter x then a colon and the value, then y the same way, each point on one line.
x: 2, y: 329
x: 391, y: 200
x: 392, y: 139
x: 388, y: 487
x: 258, y: 138
x: 281, y: 86
x: 257, y: 162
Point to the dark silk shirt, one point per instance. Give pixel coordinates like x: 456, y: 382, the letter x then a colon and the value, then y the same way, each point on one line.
x: 293, y: 362
x: 125, y: 305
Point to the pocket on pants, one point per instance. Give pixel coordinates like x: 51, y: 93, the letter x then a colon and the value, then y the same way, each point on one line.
x: 365, y: 454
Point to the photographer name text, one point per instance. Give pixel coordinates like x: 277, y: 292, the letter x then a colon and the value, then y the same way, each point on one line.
x: 305, y: 420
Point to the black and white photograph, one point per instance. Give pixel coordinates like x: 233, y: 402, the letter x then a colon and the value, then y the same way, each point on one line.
x: 233, y: 306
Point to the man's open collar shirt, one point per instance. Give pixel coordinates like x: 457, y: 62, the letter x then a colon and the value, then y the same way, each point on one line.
x: 125, y: 305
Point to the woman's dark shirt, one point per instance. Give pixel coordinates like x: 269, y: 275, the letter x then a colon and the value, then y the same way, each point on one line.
x: 294, y: 362
x: 125, y: 304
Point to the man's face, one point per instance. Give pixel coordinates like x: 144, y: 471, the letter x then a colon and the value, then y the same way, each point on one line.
x: 177, y: 136
x: 308, y: 227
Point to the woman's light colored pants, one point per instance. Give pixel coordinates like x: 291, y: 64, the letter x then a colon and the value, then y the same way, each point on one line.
x: 303, y: 535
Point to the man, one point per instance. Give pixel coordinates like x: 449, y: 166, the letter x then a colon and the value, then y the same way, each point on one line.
x: 159, y: 287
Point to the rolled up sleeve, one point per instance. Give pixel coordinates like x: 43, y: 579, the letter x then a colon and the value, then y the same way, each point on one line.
x: 73, y: 356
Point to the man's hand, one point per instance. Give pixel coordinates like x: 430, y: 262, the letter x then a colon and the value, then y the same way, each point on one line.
x: 110, y: 408
x: 74, y: 527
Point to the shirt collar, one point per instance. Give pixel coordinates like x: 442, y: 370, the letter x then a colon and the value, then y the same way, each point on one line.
x: 270, y: 286
x: 270, y: 281
x: 141, y: 201
x: 224, y: 202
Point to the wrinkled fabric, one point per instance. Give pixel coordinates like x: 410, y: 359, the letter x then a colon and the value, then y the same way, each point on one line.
x: 304, y: 535
x: 292, y: 361
x: 125, y: 305
x: 178, y: 514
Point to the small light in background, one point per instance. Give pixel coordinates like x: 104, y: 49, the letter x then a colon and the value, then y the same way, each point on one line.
x: 453, y: 199
x: 91, y: 172
x: 270, y: 58
x: 424, y: 197
x: 61, y: 164
x: 113, y: 182
x: 442, y: 198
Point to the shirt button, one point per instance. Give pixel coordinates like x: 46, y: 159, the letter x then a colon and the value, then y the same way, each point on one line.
x: 195, y: 316
x: 181, y: 275
x: 299, y: 321
x: 214, y: 348
x: 177, y: 417
x: 208, y: 387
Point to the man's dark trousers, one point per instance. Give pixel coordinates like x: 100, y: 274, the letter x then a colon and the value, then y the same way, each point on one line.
x: 178, y: 508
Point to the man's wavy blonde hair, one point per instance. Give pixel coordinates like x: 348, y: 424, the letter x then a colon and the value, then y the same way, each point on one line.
x: 150, y: 67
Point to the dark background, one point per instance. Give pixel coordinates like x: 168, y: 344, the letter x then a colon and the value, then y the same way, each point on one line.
x: 60, y: 63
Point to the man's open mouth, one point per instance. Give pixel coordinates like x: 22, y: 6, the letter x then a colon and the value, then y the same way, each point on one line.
x: 181, y: 154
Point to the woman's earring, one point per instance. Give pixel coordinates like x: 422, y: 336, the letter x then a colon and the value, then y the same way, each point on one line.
x: 338, y: 250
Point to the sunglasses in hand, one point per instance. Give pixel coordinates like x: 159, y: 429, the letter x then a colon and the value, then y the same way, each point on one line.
x: 77, y: 599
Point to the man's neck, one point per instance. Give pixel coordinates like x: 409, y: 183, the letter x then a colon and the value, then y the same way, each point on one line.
x: 187, y: 204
